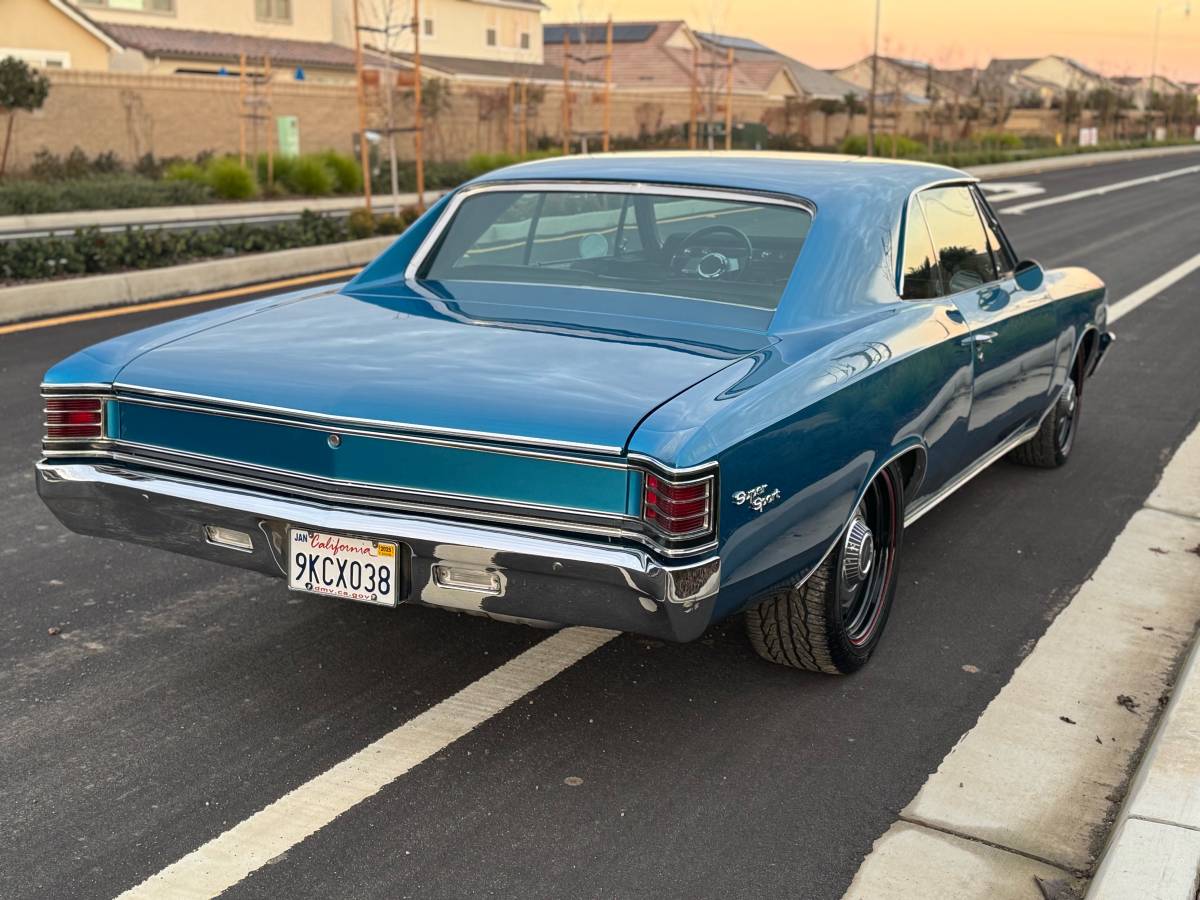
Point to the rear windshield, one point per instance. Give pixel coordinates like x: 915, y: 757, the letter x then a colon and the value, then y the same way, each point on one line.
x: 699, y: 247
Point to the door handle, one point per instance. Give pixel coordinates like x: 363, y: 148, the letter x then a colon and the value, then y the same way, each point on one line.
x: 980, y: 337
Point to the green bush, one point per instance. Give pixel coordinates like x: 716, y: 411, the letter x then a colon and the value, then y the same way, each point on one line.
x: 25, y: 197
x: 310, y: 177
x: 88, y: 251
x: 999, y: 140
x: 360, y: 223
x: 347, y: 175
x: 281, y: 168
x: 906, y: 148
x: 230, y: 180
x: 185, y: 171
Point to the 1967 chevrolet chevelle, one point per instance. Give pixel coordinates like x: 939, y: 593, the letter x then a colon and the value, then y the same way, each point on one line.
x: 643, y: 392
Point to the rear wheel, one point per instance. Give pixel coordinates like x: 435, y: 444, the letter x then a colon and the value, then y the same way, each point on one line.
x: 832, y: 622
x: 1051, y: 446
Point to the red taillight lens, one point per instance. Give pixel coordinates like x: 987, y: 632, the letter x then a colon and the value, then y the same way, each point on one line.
x: 74, y: 418
x: 678, y: 509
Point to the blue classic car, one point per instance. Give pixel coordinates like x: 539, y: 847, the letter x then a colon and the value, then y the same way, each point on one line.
x: 643, y: 392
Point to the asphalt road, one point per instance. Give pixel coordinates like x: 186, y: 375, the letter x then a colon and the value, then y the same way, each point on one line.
x: 180, y: 697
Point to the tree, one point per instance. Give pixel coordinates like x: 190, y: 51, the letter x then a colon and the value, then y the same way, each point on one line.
x: 21, y: 88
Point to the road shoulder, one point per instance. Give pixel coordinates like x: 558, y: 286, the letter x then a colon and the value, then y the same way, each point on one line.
x: 1039, y: 776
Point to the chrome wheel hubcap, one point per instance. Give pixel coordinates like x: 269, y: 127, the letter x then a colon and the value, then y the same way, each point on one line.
x: 858, y: 552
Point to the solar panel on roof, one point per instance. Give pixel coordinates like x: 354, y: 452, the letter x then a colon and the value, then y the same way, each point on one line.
x: 737, y: 43
x: 596, y: 34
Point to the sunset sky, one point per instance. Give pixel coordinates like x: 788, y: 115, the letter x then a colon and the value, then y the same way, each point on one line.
x: 1114, y: 36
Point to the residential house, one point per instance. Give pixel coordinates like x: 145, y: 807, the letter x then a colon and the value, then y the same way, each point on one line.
x: 908, y: 82
x: 305, y: 41
x: 666, y: 74
x: 813, y: 84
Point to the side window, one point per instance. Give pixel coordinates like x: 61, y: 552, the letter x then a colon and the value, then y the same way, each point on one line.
x: 922, y: 274
x: 958, y: 233
x: 1001, y: 253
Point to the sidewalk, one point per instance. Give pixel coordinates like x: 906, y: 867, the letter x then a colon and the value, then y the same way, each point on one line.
x: 1154, y: 850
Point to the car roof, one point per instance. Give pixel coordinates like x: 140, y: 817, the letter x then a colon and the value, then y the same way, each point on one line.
x: 822, y: 178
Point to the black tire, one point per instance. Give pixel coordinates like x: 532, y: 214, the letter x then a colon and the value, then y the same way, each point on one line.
x: 824, y: 624
x: 1051, y: 446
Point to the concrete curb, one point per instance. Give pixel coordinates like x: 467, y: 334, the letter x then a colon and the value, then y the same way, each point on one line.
x: 1077, y: 161
x: 205, y: 212
x: 77, y: 294
x: 1153, y: 852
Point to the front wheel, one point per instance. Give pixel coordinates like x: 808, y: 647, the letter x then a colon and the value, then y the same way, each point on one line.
x: 832, y: 622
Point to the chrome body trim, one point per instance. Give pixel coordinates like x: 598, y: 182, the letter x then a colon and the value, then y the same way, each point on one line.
x: 925, y: 504
x: 663, y: 189
x: 362, y: 431
x: 584, y: 522
x: 218, y: 468
x: 547, y: 578
x: 341, y: 421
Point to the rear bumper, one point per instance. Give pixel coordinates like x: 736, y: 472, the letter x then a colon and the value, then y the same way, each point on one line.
x: 542, y: 578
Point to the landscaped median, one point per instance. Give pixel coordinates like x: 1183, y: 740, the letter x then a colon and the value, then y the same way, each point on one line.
x: 49, y: 298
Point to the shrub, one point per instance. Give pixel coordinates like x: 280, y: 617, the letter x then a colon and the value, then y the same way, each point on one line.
x: 347, y: 176
x: 89, y: 251
x: 281, y: 168
x: 906, y: 148
x: 999, y: 140
x: 309, y: 176
x: 98, y: 192
x: 185, y: 171
x: 230, y: 180
x: 360, y: 223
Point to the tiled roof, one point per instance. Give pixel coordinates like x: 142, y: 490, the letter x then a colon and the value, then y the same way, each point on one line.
x: 812, y: 82
x: 650, y: 62
x: 482, y: 68
x: 224, y: 47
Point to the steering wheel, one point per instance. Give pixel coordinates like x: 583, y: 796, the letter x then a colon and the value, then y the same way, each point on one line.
x: 700, y: 259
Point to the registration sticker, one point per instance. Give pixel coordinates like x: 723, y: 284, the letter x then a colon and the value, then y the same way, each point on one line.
x: 334, y: 565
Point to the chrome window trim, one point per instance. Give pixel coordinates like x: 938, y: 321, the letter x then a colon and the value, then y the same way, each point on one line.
x: 663, y: 189
x: 902, y: 219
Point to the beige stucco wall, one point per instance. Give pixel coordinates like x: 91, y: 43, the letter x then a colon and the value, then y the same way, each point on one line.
x: 311, y: 20
x: 35, y: 25
x: 172, y: 116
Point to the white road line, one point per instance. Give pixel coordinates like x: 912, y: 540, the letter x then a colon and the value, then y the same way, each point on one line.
x: 230, y: 857
x: 1008, y: 191
x: 1098, y: 191
x: 1130, y: 302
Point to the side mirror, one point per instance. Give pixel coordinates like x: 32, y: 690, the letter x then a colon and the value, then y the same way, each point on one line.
x: 1029, y: 275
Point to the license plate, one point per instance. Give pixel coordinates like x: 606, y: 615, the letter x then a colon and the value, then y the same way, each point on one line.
x: 337, y: 566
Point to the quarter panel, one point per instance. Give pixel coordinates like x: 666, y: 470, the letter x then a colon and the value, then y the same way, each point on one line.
x: 815, y: 418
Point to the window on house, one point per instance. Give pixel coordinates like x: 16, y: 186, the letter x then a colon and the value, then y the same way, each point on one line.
x: 158, y: 6
x: 273, y: 10
x: 491, y: 37
x: 524, y: 40
x: 429, y: 28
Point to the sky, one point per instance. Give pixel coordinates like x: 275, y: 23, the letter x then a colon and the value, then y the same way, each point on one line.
x: 1113, y: 36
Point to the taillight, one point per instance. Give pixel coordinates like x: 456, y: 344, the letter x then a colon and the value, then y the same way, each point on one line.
x: 74, y: 418
x: 679, y: 508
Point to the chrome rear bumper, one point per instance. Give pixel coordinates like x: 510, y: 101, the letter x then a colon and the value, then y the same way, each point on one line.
x: 542, y: 578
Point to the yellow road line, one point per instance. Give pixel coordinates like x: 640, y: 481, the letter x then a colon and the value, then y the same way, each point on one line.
x: 108, y: 312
